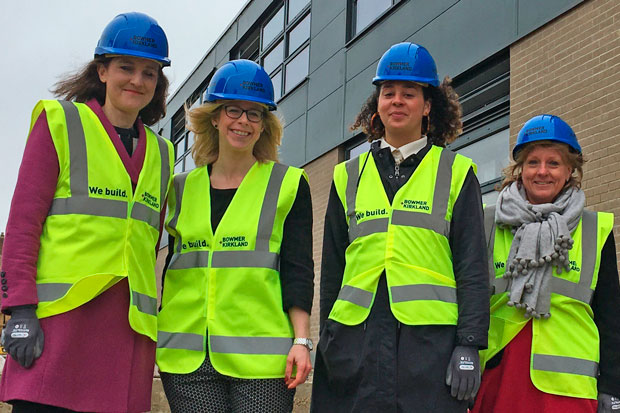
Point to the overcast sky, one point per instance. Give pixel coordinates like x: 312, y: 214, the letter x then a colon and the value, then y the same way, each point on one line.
x: 44, y: 39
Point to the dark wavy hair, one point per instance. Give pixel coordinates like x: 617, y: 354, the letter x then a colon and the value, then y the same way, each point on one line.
x: 85, y: 85
x: 445, y: 115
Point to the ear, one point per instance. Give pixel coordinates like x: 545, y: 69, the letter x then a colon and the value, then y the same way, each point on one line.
x: 102, y: 71
x: 427, y: 107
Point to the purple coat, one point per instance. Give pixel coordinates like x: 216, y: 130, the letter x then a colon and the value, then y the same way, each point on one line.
x: 92, y: 359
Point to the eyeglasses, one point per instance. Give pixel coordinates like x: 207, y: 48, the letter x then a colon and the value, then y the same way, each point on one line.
x: 235, y: 112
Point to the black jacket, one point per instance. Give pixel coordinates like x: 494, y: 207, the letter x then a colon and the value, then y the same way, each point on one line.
x: 382, y: 365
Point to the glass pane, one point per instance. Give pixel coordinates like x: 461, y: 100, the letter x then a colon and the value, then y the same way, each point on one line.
x: 294, y: 7
x: 277, y: 85
x: 179, y: 148
x: 490, y: 154
x: 368, y: 10
x: 273, y: 59
x: 189, y: 162
x: 299, y: 34
x: 296, y: 69
x: 178, y: 167
x: 359, y: 149
x: 273, y: 28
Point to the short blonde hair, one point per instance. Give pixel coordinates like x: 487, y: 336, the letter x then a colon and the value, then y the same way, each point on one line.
x: 206, y: 141
x: 512, y: 173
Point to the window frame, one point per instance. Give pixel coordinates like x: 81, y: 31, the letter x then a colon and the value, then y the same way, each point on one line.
x: 351, y: 19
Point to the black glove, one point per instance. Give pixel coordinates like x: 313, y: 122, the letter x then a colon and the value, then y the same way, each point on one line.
x: 608, y: 403
x: 463, y: 375
x: 22, y: 337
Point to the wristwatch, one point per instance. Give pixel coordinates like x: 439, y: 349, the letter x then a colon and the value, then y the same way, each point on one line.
x: 306, y: 342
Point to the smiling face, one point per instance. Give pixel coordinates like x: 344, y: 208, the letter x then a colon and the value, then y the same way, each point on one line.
x: 545, y: 172
x: 130, y: 86
x: 401, y: 106
x: 238, y: 135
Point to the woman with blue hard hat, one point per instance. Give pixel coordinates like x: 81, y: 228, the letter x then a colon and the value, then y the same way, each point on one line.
x: 404, y: 289
x: 554, y: 333
x: 238, y: 282
x: 78, y: 265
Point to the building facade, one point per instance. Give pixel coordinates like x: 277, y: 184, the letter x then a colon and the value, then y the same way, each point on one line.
x: 509, y: 60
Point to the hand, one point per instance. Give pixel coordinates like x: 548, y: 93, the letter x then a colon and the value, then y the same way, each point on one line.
x: 22, y: 337
x: 298, y: 356
x: 608, y: 403
x: 463, y: 375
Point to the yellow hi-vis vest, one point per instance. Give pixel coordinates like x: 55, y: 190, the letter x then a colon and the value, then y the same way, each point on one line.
x: 565, y: 347
x: 227, y: 284
x: 99, y: 230
x: 407, y: 239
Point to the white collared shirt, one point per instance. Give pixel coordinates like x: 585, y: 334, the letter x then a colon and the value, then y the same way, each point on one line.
x: 406, y: 150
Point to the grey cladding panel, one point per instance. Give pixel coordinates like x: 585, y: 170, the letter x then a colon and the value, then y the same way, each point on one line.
x: 326, y: 79
x: 325, y: 44
x: 358, y: 90
x: 293, y: 148
x: 395, y: 28
x: 294, y: 104
x: 535, y: 13
x: 227, y: 42
x: 250, y: 15
x: 468, y: 33
x: 324, y: 125
x: 324, y: 11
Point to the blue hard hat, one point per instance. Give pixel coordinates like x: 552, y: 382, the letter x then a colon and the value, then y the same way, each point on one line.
x: 241, y: 80
x: 134, y: 34
x: 407, y: 61
x: 546, y: 128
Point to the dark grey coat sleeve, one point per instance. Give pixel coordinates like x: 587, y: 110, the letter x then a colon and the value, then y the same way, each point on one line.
x: 469, y: 256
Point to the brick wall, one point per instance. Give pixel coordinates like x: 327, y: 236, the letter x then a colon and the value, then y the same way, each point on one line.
x: 570, y: 68
x: 320, y: 173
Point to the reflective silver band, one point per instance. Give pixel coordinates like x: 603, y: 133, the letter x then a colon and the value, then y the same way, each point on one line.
x: 355, y: 295
x: 433, y: 222
x: 192, y: 259
x: 250, y: 345
x: 245, y: 259
x: 143, y: 213
x: 489, y: 233
x: 589, y: 236
x: 52, y: 291
x: 499, y: 285
x: 179, y: 187
x: 165, y: 170
x: 180, y: 341
x: 560, y: 364
x: 352, y: 166
x: 414, y: 292
x: 144, y: 303
x: 371, y: 226
x: 270, y: 207
x: 83, y: 205
x: 77, y: 150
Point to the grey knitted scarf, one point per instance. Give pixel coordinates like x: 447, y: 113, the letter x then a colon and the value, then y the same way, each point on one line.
x: 541, y: 241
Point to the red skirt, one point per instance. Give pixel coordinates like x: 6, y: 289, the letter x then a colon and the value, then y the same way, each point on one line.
x: 508, y: 387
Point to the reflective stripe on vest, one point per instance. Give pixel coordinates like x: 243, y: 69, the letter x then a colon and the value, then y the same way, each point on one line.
x: 560, y: 364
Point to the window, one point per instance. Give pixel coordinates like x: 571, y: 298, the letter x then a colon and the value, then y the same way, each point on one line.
x: 182, y: 139
x: 484, y: 93
x: 281, y: 45
x: 359, y: 146
x: 364, y: 12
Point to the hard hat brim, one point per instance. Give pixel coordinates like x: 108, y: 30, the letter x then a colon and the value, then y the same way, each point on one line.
x: 103, y: 51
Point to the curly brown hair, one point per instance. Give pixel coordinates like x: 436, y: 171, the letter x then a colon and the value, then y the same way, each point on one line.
x: 445, y: 116
x: 512, y: 173
x: 85, y: 85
